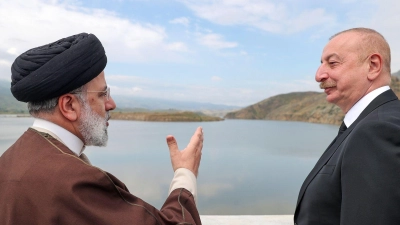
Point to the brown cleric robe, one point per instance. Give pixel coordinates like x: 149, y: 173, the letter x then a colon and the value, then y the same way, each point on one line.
x: 43, y: 182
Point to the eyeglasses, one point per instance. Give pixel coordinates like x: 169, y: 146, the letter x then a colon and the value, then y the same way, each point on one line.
x: 106, y: 93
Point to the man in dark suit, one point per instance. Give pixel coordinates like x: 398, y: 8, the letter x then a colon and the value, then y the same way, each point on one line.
x: 357, y: 178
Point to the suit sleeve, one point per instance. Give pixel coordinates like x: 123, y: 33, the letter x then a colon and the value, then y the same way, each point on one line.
x: 371, y: 175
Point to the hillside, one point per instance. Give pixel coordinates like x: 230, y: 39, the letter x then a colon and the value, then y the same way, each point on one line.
x: 8, y: 104
x: 298, y: 106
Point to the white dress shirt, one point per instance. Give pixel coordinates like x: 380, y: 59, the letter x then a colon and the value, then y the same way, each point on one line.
x: 67, y: 138
x: 183, y: 178
x: 357, y: 108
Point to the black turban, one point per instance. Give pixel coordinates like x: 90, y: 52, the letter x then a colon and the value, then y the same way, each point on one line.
x: 57, y: 68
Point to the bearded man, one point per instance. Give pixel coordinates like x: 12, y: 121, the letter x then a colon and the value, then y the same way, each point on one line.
x: 45, y: 178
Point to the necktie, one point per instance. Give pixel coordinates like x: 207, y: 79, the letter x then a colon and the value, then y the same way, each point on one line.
x: 342, y: 128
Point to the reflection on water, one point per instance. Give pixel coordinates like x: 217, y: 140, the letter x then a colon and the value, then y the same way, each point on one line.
x: 248, y: 167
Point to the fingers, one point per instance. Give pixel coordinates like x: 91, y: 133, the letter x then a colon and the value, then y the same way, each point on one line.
x: 196, y: 142
x: 200, y: 134
x: 172, y: 145
x: 189, y: 157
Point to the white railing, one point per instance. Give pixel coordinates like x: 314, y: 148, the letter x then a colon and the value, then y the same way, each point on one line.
x: 247, y: 219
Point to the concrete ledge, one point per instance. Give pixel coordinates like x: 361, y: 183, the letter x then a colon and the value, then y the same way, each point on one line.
x: 247, y: 219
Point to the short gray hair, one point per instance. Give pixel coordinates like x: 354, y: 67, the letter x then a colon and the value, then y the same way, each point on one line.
x: 371, y: 42
x: 48, y: 106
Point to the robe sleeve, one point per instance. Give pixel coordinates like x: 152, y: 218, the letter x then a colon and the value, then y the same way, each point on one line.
x: 95, y: 197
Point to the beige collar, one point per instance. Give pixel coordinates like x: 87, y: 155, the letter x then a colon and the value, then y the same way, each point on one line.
x: 67, y: 138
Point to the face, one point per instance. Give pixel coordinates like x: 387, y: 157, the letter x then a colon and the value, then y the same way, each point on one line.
x: 342, y: 74
x: 95, y: 113
x: 93, y: 127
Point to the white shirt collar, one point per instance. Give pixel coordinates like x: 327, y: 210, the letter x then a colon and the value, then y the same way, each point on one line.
x: 356, y: 110
x: 67, y: 138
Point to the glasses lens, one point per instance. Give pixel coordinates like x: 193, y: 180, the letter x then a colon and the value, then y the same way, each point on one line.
x: 108, y: 93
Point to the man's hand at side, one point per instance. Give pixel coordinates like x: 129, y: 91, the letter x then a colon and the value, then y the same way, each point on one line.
x: 189, y: 157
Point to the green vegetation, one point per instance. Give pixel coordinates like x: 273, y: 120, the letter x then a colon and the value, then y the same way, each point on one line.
x: 164, y: 116
x: 8, y: 104
x: 11, y: 109
x: 7, y: 108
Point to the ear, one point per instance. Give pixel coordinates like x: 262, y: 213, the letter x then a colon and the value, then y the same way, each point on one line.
x: 69, y: 107
x: 374, y: 66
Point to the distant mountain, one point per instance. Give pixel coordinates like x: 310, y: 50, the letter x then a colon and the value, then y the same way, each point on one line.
x: 8, y: 104
x: 4, y: 87
x: 125, y: 102
x: 299, y: 106
x: 397, y: 74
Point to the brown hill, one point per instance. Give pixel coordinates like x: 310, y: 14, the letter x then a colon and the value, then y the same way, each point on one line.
x: 298, y: 106
x: 164, y: 116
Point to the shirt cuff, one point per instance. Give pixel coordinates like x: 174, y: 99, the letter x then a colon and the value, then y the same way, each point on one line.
x: 184, y: 178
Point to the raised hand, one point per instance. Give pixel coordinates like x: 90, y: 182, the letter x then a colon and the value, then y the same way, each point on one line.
x: 189, y: 157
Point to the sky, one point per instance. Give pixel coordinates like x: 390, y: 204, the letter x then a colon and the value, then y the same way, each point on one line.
x: 231, y: 52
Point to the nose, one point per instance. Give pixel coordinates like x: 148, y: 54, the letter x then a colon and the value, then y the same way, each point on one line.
x: 321, y: 74
x: 110, y: 104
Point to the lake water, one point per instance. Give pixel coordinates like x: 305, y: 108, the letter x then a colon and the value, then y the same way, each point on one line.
x: 252, y: 167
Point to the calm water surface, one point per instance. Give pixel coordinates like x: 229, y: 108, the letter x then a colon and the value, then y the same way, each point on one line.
x: 248, y: 166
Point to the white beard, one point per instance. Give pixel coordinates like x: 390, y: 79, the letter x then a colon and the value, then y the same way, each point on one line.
x: 93, y: 127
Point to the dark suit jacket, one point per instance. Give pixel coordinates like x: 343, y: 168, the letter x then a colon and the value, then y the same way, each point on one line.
x: 43, y: 182
x: 357, y: 179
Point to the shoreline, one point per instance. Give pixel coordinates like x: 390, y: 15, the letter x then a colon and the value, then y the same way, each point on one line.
x: 247, y: 219
x: 180, y: 116
x: 169, y: 121
x: 14, y: 115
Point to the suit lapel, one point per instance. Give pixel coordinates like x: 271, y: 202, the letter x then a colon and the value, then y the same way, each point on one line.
x: 383, y: 98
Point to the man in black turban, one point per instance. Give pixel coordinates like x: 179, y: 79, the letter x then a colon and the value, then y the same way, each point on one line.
x: 54, y: 69
x: 45, y: 177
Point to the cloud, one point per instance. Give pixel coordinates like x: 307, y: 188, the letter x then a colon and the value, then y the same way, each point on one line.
x: 268, y: 16
x: 125, y: 78
x: 308, y: 19
x: 215, y: 41
x: 28, y: 24
x: 181, y: 20
x: 5, y: 63
x: 12, y: 51
x: 216, y: 78
x: 136, y: 89
x: 177, y: 46
x: 127, y: 91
